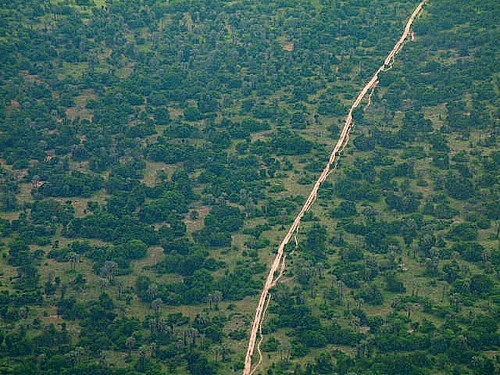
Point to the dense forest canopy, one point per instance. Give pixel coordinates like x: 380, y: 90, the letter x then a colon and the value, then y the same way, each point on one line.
x: 153, y: 154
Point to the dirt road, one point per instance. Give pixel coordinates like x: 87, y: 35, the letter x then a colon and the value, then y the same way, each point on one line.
x: 278, y: 265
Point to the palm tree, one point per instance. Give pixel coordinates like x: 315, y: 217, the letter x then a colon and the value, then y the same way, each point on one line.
x: 203, y: 319
x: 156, y: 305
x: 163, y: 327
x: 216, y: 350
x: 217, y: 297
x: 130, y: 344
x: 144, y: 352
x: 224, y: 351
x: 152, y: 326
x: 190, y: 334
x: 202, y: 341
x: 284, y: 350
x: 362, y: 349
x: 73, y: 259
x: 109, y: 270
x: 120, y: 286
x: 152, y: 291
x: 75, y: 354
x: 320, y: 268
x: 103, y: 283
x: 153, y: 348
x: 210, y: 300
x: 354, y: 321
x: 24, y: 312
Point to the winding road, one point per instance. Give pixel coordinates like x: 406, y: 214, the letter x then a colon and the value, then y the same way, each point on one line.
x: 278, y: 265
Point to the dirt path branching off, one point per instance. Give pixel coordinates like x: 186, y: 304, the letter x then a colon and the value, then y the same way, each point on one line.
x: 278, y: 265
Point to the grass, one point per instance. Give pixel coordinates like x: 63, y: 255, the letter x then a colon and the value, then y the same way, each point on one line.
x: 126, y: 71
x: 194, y: 225
x: 240, y: 317
x: 413, y: 278
x: 153, y: 168
x: 74, y: 70
x: 79, y: 110
x: 7, y: 273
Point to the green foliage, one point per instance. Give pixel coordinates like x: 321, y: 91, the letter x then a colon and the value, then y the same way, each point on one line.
x: 199, y: 127
x: 393, y: 284
x: 219, y: 223
x: 463, y: 232
x: 345, y: 209
x: 371, y: 295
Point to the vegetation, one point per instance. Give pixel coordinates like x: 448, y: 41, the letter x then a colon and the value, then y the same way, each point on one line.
x: 152, y: 154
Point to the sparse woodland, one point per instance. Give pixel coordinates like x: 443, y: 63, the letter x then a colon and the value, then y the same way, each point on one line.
x: 153, y: 154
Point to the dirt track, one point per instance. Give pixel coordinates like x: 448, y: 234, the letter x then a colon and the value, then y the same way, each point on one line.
x: 278, y: 265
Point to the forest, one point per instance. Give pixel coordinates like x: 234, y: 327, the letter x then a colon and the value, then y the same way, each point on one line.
x: 154, y: 153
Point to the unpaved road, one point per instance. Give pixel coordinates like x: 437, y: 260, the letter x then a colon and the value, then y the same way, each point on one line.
x: 278, y: 264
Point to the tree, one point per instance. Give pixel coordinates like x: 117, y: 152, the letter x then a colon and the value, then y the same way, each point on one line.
x: 19, y: 254
x: 192, y: 114
x: 406, y: 204
x: 459, y: 187
x: 315, y: 243
x: 481, y: 284
x: 372, y: 295
x: 136, y: 249
x: 130, y: 344
x: 199, y: 365
x: 156, y: 305
x: 103, y: 283
x: 144, y: 354
x: 214, y: 297
x: 152, y: 291
x: 109, y: 270
x: 73, y: 259
x: 463, y: 232
x: 345, y: 209
x: 393, y: 284
x: 271, y: 345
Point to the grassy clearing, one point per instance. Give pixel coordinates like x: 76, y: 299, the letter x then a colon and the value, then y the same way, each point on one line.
x: 153, y: 169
